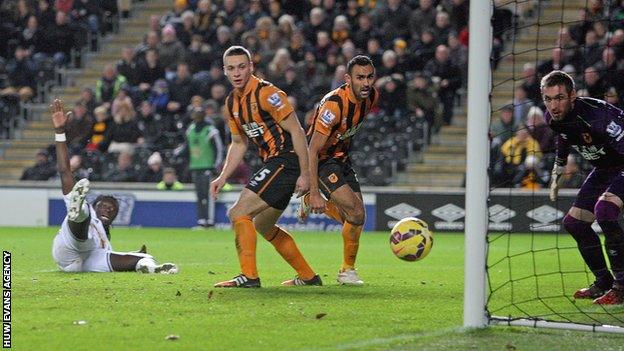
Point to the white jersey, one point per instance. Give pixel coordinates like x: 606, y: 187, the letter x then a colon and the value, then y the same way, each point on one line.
x: 91, y: 255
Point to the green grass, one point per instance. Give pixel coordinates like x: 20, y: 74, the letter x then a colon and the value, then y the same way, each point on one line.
x: 403, y: 306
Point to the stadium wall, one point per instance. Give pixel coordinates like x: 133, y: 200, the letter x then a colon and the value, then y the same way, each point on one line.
x: 37, y: 204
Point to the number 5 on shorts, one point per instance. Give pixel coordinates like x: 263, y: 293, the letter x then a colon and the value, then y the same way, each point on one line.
x: 262, y: 174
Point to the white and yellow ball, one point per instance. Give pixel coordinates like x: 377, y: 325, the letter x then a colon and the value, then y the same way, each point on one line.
x: 411, y: 239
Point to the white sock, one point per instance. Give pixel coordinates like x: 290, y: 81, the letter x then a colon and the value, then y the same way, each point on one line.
x: 146, y: 263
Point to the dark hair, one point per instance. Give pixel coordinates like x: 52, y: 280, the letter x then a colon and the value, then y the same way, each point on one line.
x: 555, y: 78
x: 235, y: 51
x: 108, y: 198
x: 359, y: 60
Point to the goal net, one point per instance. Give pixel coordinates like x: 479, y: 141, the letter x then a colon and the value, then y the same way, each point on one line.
x: 532, y: 270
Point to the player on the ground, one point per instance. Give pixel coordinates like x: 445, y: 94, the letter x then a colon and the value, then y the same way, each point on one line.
x: 338, y: 117
x: 83, y: 242
x: 595, y: 129
x: 258, y: 111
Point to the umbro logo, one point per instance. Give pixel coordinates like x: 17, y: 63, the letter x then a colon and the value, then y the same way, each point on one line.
x: 402, y: 210
x: 449, y: 212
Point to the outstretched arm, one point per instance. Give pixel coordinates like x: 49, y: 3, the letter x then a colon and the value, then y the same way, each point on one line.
x: 59, y: 120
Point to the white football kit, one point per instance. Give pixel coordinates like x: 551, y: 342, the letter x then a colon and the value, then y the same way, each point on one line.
x: 91, y: 255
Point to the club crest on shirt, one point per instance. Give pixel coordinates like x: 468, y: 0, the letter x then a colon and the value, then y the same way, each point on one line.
x: 614, y: 130
x: 254, y: 106
x: 586, y: 138
x: 275, y: 100
x: 327, y: 117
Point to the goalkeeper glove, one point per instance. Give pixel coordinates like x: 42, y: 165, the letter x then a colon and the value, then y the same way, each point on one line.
x: 555, y: 180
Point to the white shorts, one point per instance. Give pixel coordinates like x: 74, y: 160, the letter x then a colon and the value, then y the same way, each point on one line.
x: 73, y: 255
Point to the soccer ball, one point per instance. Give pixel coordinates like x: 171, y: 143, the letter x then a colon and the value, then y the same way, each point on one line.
x: 410, y: 239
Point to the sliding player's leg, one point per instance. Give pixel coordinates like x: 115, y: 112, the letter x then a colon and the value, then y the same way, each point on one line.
x: 78, y: 213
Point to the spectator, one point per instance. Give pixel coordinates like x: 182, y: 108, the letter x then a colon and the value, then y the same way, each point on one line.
x: 42, y: 170
x: 224, y: 41
x: 611, y: 96
x: 422, y: 103
x: 149, y: 43
x: 152, y: 125
x: 174, y: 16
x: 423, y: 17
x: 21, y: 74
x: 504, y: 127
x: 539, y: 130
x: 458, y: 11
x: 109, y: 85
x: 181, y: 90
x: 198, y: 55
x: 122, y: 97
x: 424, y: 49
x: 253, y: 13
x: 31, y: 37
x: 442, y: 27
x: 57, y: 42
x: 556, y: 62
x: 594, y: 86
x: 149, y: 71
x: 277, y: 67
x: 123, y: 134
x: 87, y: 13
x: 521, y: 105
x: 579, y: 30
x: 99, y: 129
x: 339, y: 77
x: 446, y: 78
x: 341, y: 30
x: 458, y: 54
x: 45, y: 14
x: 185, y: 31
x: 530, y: 83
x: 530, y: 175
x: 591, y: 51
x: 392, y: 99
x: 159, y: 96
x: 297, y: 46
x: 124, y: 170
x: 318, y: 22
x: 79, y: 128
x: 389, y: 64
x: 78, y: 169
x: 154, y: 171
x: 170, y: 50
x: 169, y: 180
x: 324, y: 46
x: 392, y: 20
x: 519, y: 146
x: 363, y: 31
x: 127, y: 66
x: 87, y: 99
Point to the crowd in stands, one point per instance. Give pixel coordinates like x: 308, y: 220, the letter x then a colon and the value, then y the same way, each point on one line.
x: 591, y: 49
x: 36, y: 38
x: 141, y: 105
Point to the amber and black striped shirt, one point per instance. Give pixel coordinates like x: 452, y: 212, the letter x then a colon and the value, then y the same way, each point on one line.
x: 256, y: 113
x: 339, y: 116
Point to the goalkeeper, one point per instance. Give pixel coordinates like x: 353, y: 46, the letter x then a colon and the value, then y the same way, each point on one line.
x: 595, y: 129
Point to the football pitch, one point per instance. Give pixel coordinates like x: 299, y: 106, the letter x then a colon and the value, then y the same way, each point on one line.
x: 402, y: 306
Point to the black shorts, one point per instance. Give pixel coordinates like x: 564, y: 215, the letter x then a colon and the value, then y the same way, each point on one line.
x: 333, y: 174
x: 275, y: 182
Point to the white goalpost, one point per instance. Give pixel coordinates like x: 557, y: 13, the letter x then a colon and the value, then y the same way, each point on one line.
x: 476, y: 313
x: 477, y: 155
